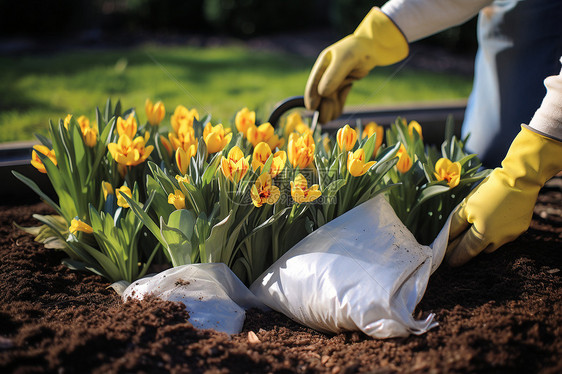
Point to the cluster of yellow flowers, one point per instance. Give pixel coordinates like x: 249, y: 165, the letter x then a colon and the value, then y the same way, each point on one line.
x: 131, y: 149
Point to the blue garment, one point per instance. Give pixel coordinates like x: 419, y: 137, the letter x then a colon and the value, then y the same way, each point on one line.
x: 520, y: 42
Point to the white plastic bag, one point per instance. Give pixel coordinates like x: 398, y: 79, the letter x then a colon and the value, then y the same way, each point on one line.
x: 362, y: 271
x: 214, y: 297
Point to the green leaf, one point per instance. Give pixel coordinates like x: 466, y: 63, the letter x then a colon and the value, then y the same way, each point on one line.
x: 31, y: 184
x: 176, y: 243
x: 333, y: 188
x: 217, y: 239
x: 144, y: 217
x: 44, y: 140
x: 183, y: 220
x: 211, y: 169
x: 108, y: 112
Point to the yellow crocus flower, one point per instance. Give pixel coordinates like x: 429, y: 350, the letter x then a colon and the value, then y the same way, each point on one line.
x: 36, y: 161
x: 294, y: 123
x: 76, y: 225
x: 264, y: 192
x: 370, y: 129
x: 183, y: 158
x: 414, y: 125
x: 177, y: 199
x: 129, y: 153
x: 261, y: 154
x: 235, y: 166
x: 300, y: 191
x: 123, y: 190
x: 404, y: 160
x: 90, y: 136
x: 107, y: 189
x: 356, y: 164
x: 167, y: 145
x: 264, y: 133
x: 67, y: 120
x: 182, y: 179
x: 154, y: 112
x: 216, y: 137
x: 184, y: 138
x: 244, y: 120
x: 83, y: 122
x: 127, y: 126
x: 449, y: 171
x: 346, y: 138
x: 301, y: 150
x: 183, y: 116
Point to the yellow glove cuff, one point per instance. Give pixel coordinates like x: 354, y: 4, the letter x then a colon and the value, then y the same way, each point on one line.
x: 532, y: 158
x: 388, y: 41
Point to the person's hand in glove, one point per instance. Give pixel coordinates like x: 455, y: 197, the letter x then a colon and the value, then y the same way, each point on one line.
x: 376, y: 42
x: 501, y: 207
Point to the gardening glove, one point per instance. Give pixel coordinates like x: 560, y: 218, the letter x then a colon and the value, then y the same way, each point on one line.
x: 501, y: 207
x: 376, y: 42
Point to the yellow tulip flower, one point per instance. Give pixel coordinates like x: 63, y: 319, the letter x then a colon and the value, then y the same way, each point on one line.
x: 301, y: 150
x: 414, y: 125
x: 404, y: 160
x: 127, y: 126
x: 356, y: 164
x: 300, y: 191
x: 216, y: 137
x: 235, y: 166
x: 76, y: 225
x: 244, y: 120
x: 183, y: 158
x: 346, y: 138
x: 154, y: 112
x: 183, y: 116
x: 123, y: 190
x: 129, y: 153
x: 449, y: 171
x: 370, y: 129
x: 177, y: 199
x: 36, y: 161
x: 264, y: 192
x: 107, y: 189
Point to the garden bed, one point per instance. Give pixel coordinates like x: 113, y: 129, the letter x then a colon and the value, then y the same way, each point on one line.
x: 500, y: 312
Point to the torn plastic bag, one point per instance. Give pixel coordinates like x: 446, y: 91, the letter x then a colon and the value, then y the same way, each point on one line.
x: 362, y: 271
x: 213, y: 296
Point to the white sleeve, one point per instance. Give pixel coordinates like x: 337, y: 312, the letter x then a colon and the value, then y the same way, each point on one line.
x: 548, y: 118
x: 420, y: 18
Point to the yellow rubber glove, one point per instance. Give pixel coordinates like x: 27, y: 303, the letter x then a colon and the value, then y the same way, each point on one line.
x: 376, y: 42
x: 501, y: 207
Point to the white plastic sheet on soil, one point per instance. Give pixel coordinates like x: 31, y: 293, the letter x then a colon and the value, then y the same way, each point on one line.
x: 362, y: 271
x: 213, y: 296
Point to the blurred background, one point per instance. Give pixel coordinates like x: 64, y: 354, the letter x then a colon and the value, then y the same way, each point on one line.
x: 69, y: 56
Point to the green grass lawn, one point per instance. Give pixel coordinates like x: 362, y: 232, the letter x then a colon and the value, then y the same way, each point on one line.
x: 220, y: 81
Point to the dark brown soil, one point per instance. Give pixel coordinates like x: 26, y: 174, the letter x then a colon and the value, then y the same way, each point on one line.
x: 499, y: 313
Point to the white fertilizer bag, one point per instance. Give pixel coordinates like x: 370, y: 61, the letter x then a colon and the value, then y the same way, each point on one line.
x: 213, y: 296
x: 362, y: 271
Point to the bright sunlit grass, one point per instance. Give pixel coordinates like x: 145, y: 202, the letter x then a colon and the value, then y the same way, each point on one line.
x: 221, y: 80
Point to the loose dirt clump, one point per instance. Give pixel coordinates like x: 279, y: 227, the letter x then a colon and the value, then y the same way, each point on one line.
x: 500, y: 313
